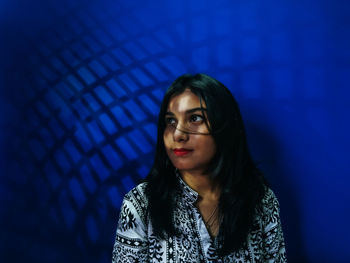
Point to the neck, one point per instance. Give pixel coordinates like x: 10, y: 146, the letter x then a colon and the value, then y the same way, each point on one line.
x: 201, y: 184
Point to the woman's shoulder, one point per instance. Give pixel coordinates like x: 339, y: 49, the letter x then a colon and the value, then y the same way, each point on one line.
x: 137, y: 197
x: 268, y: 211
x: 269, y: 199
x: 133, y: 214
x: 137, y: 193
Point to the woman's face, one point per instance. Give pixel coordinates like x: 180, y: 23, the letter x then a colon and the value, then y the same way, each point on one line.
x: 187, y: 141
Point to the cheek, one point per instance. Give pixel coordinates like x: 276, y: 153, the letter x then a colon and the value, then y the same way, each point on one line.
x: 208, y: 146
x: 212, y: 148
x: 166, y: 140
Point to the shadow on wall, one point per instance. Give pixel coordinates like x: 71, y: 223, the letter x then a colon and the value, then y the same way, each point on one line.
x: 268, y: 152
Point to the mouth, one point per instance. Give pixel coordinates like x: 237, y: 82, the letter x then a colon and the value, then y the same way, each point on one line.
x: 181, y: 151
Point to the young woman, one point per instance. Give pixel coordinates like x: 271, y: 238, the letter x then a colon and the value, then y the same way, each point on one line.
x: 204, y: 200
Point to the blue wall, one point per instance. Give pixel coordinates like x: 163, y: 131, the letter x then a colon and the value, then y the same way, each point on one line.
x: 81, y: 83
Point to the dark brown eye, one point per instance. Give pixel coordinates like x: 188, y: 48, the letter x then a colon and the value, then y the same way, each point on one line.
x: 170, y: 120
x: 196, y: 118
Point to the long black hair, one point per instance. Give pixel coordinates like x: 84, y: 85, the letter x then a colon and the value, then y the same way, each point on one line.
x: 242, y: 184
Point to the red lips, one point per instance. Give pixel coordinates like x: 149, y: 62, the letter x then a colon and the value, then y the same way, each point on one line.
x: 181, y: 151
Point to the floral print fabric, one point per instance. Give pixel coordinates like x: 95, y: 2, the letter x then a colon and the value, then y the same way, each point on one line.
x: 135, y: 241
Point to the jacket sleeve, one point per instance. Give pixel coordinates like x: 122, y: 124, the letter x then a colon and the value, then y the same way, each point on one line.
x: 131, y: 238
x: 274, y: 246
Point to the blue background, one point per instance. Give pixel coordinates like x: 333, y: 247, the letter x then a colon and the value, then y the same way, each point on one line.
x: 81, y: 83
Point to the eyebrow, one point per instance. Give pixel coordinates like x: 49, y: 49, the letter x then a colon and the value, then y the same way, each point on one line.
x: 188, y: 111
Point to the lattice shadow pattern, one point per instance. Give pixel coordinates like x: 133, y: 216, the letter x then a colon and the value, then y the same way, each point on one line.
x: 94, y: 90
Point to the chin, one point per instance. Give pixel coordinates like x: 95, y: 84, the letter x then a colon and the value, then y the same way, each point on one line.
x: 182, y: 166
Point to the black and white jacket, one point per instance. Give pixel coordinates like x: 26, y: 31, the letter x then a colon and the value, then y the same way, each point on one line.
x: 135, y: 241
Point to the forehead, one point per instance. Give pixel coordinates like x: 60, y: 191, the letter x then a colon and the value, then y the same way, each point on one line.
x: 184, y: 101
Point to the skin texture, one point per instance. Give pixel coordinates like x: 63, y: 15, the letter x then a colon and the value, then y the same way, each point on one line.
x: 202, y: 146
x: 188, y: 130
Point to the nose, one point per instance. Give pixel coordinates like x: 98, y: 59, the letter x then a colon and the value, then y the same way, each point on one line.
x: 179, y: 134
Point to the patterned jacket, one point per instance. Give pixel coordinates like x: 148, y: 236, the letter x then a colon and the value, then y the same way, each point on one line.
x: 135, y: 241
